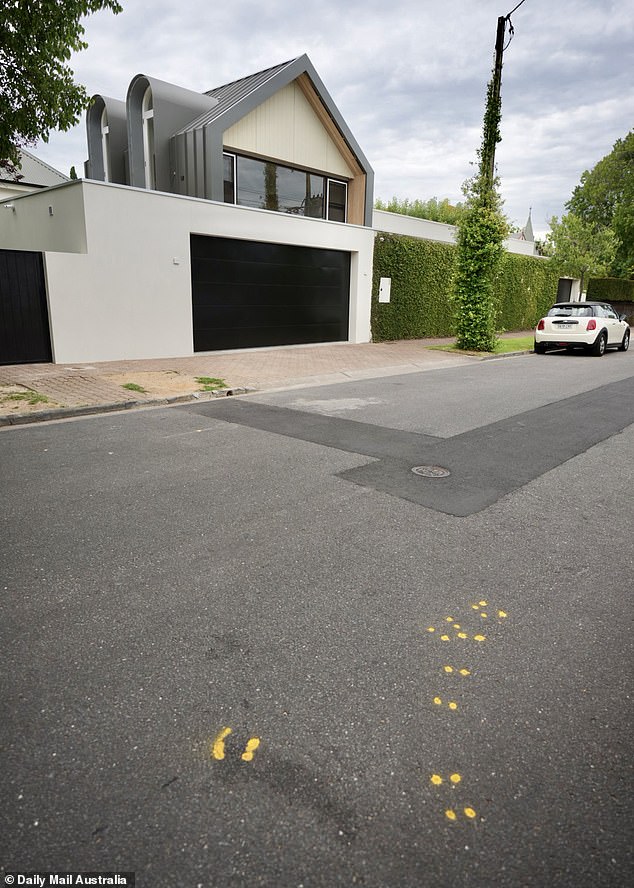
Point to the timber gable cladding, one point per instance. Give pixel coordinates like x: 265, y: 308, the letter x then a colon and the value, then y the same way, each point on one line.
x: 177, y: 139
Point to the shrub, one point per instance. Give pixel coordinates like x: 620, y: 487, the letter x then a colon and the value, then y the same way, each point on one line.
x: 610, y: 290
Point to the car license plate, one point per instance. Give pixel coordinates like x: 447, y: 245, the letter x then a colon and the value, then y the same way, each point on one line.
x: 564, y: 326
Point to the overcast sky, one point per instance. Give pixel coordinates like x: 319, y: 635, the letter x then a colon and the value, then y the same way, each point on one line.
x: 408, y: 76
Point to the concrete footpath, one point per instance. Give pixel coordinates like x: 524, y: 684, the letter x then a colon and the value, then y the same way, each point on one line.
x: 43, y: 392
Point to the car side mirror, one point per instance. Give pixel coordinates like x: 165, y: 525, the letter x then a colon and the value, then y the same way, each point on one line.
x: 622, y: 317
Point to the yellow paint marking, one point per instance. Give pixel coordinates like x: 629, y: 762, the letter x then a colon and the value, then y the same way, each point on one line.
x: 502, y: 614
x: 449, y: 619
x: 448, y: 668
x: 437, y: 701
x: 462, y: 635
x: 469, y: 812
x: 456, y: 625
x: 480, y: 637
x: 455, y: 778
x: 483, y: 615
x: 444, y: 638
x: 430, y: 629
x: 482, y: 603
x: 453, y: 705
x: 249, y: 752
x: 464, y: 672
x: 450, y: 815
x: 218, y: 749
x: 436, y: 779
x: 475, y: 607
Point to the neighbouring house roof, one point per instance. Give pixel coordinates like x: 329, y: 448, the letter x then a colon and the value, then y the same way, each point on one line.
x: 526, y: 233
x: 35, y: 172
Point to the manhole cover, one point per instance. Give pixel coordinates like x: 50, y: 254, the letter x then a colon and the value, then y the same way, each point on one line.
x: 431, y: 471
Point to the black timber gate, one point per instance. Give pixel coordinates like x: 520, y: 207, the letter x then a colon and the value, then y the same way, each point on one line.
x: 247, y: 294
x: 24, y: 330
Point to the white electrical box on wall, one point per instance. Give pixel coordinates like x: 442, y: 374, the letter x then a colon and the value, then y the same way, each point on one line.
x: 385, y: 286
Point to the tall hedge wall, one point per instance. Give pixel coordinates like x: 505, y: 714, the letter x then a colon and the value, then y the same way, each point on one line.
x: 610, y: 290
x: 422, y: 272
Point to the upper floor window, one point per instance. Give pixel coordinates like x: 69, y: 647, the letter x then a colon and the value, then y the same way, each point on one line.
x: 148, y: 139
x: 105, y: 145
x: 271, y: 186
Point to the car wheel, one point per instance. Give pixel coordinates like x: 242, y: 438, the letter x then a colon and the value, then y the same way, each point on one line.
x: 540, y: 348
x: 623, y: 347
x: 598, y: 349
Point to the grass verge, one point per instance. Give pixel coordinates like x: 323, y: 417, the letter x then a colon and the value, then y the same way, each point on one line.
x: 502, y: 347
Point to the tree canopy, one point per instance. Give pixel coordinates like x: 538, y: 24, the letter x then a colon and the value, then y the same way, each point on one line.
x: 433, y: 209
x: 579, y: 248
x: 605, y: 198
x: 37, y: 89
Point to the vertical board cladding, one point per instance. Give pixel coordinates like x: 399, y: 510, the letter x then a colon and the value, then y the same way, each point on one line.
x: 24, y: 328
x: 250, y: 294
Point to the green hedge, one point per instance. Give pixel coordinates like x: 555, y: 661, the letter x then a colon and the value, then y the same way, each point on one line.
x: 610, y: 290
x: 422, y: 275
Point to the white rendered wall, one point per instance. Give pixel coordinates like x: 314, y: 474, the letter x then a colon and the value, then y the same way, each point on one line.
x: 129, y: 296
x: 395, y: 223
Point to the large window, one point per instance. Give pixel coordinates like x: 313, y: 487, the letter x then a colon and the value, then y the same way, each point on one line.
x: 271, y: 186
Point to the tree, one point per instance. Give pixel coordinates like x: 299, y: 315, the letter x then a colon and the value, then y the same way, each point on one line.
x: 37, y: 90
x: 580, y: 249
x: 481, y: 233
x: 432, y: 209
x: 605, y: 197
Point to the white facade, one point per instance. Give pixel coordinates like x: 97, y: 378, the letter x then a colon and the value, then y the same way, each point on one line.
x: 117, y: 263
x: 395, y: 223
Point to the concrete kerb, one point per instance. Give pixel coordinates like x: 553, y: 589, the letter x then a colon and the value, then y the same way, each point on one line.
x: 62, y: 413
x: 59, y: 413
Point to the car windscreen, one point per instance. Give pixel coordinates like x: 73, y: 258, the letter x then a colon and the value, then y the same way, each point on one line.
x: 570, y: 311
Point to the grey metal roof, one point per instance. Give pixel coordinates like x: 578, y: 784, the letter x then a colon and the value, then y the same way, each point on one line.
x: 35, y: 172
x: 231, y: 94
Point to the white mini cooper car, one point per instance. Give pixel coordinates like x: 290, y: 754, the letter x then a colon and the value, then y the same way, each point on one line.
x: 593, y: 326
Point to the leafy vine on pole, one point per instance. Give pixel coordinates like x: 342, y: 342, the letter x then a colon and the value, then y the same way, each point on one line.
x: 481, y: 230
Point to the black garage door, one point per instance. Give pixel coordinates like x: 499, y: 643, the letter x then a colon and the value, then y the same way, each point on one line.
x: 24, y: 331
x: 248, y: 294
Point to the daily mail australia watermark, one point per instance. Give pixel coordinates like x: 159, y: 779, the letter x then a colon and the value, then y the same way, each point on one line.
x: 47, y: 880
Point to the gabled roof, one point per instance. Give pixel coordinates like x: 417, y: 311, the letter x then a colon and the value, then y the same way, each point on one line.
x: 234, y: 92
x: 35, y: 172
x: 237, y: 99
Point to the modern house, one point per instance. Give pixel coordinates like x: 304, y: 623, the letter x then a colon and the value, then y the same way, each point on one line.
x: 234, y: 218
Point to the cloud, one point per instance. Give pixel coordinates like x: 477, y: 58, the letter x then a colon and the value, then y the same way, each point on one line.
x: 408, y: 76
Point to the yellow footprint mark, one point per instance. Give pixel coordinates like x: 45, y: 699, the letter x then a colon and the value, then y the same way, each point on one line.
x: 468, y: 812
x: 483, y: 615
x: 437, y: 780
x: 431, y: 629
x: 449, y: 619
x: 451, y: 704
x: 444, y: 638
x: 475, y: 607
x: 462, y: 635
x: 482, y: 603
x: 479, y: 637
x: 502, y: 614
x: 456, y: 625
x: 464, y: 672
x: 218, y: 748
x: 249, y: 752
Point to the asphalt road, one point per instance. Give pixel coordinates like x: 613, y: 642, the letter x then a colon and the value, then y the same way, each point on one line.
x: 243, y: 644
